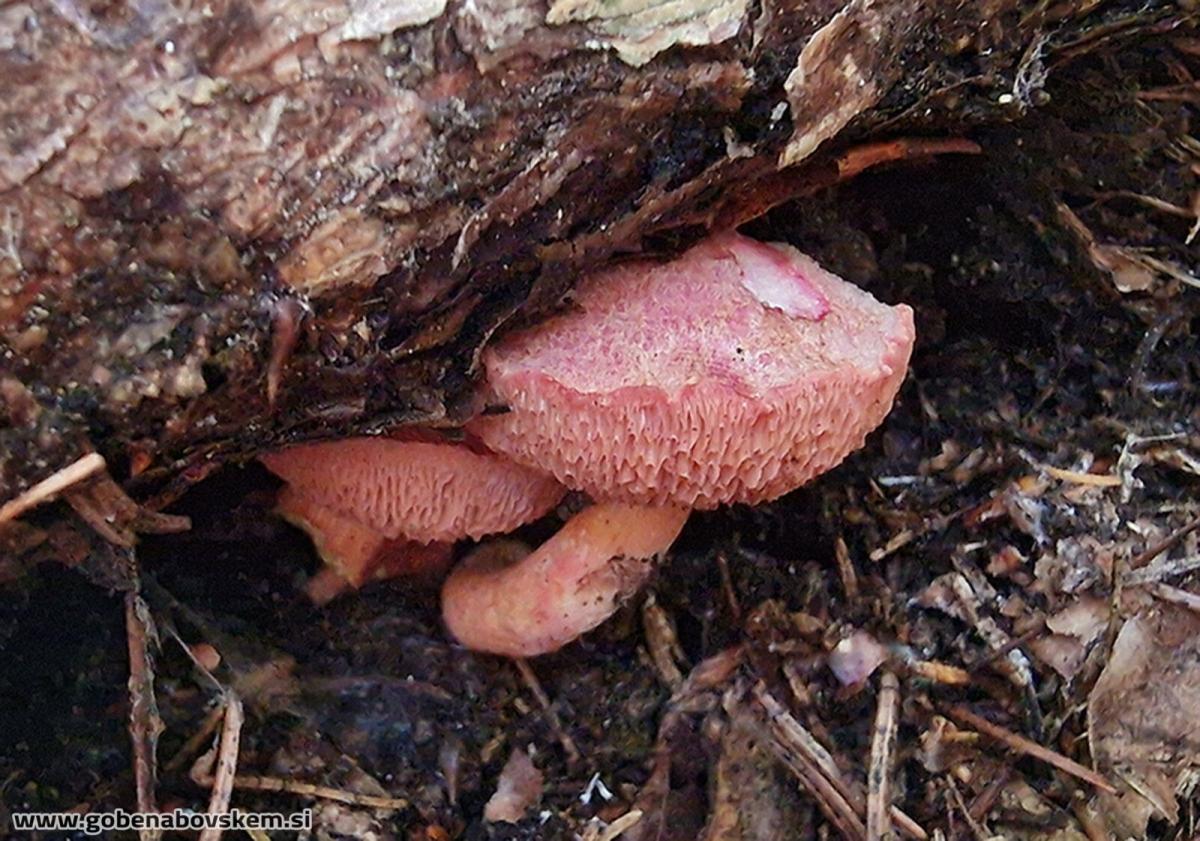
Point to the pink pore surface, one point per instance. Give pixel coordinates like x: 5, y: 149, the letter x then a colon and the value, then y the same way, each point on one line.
x: 503, y: 600
x: 674, y: 383
x: 423, y: 490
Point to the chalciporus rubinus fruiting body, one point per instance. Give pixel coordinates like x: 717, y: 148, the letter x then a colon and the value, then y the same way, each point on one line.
x: 734, y: 373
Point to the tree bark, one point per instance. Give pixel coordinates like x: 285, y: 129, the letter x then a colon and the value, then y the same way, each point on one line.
x: 230, y: 224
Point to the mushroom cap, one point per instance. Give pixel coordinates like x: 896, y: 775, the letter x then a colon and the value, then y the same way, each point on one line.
x: 424, y: 490
x: 355, y: 554
x: 734, y: 373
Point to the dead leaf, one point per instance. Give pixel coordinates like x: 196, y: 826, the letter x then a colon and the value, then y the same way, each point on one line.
x: 519, y: 787
x: 1144, y: 715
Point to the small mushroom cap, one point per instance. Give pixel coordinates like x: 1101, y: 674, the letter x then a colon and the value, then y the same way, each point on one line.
x: 355, y: 554
x: 734, y: 373
x: 426, y: 491
x: 503, y: 599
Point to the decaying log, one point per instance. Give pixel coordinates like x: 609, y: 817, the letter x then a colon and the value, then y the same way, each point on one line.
x: 228, y: 224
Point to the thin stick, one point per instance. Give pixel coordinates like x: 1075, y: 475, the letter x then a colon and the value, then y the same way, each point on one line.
x: 1028, y: 747
x: 144, y: 723
x: 883, y: 743
x: 855, y: 160
x: 535, y: 687
x: 1098, y: 480
x: 51, y: 486
x: 794, y: 750
x: 1165, y: 545
x: 805, y: 744
x: 227, y: 761
x: 907, y: 825
x: 251, y: 782
x: 196, y: 740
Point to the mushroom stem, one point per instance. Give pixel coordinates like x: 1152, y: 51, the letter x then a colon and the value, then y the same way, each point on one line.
x: 505, y: 600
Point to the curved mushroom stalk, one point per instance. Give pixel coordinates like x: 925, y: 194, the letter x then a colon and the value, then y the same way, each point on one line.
x: 505, y: 600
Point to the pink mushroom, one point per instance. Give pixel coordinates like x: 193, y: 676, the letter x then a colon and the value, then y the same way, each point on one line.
x: 734, y: 373
x: 355, y: 554
x: 377, y: 507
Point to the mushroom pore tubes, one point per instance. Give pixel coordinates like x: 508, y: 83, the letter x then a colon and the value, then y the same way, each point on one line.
x: 735, y: 372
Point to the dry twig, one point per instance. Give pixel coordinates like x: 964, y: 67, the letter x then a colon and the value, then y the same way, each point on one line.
x: 846, y: 568
x: 1165, y: 545
x: 818, y: 773
x: 1175, y: 595
x: 1025, y: 746
x: 227, y: 761
x: 252, y: 782
x: 52, y: 485
x: 144, y: 723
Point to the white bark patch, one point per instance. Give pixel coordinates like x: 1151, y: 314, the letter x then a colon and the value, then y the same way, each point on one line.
x: 370, y: 19
x: 638, y: 30
x: 843, y: 70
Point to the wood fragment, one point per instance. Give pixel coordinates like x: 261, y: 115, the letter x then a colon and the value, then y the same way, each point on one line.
x: 144, y: 722
x: 735, y: 606
x: 883, y: 743
x: 939, y: 672
x: 986, y: 799
x: 627, y: 821
x: 227, y: 762
x: 1030, y: 748
x: 792, y: 751
x: 1175, y: 595
x: 897, y: 541
x: 846, y: 568
x: 535, y: 686
x: 662, y: 643
x: 52, y: 486
x: 907, y: 825
x: 956, y: 801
